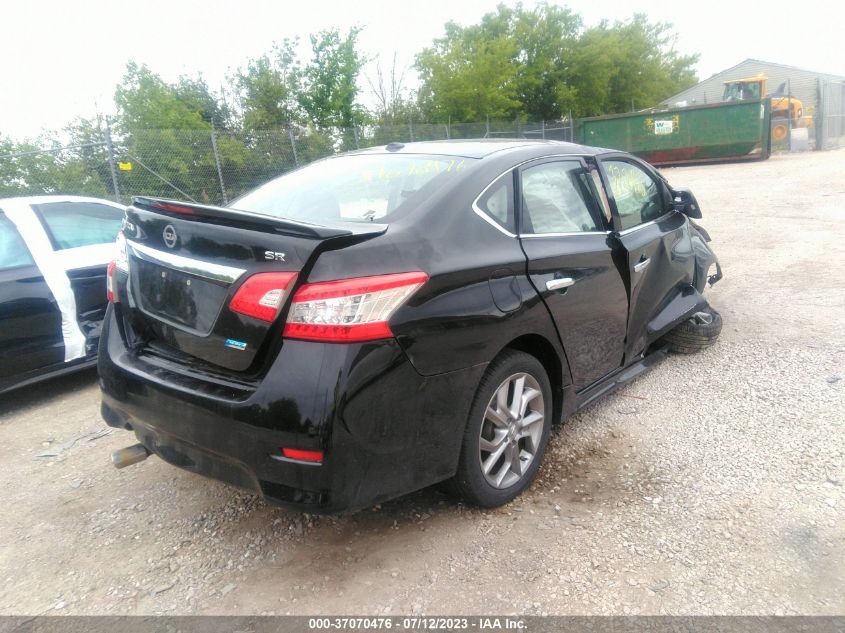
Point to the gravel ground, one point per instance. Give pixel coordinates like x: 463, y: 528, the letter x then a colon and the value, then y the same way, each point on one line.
x: 711, y: 485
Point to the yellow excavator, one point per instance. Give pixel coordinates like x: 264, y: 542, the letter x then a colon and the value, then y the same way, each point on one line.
x: 787, y: 111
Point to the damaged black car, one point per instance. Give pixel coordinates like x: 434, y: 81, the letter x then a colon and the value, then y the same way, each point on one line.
x: 385, y: 320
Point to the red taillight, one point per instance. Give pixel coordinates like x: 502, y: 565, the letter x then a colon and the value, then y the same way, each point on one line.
x: 350, y: 310
x: 303, y: 456
x: 111, y: 284
x: 262, y: 296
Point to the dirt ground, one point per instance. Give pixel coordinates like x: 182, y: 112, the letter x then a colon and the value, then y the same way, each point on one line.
x: 712, y: 485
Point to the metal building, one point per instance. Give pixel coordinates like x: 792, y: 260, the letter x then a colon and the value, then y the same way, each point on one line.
x: 803, y: 84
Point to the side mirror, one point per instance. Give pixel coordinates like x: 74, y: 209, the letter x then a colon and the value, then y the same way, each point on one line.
x: 685, y: 202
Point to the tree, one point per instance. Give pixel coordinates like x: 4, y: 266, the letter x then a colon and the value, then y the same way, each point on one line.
x: 87, y: 162
x: 393, y: 106
x: 547, y: 36
x: 540, y: 63
x: 25, y: 168
x: 469, y: 74
x: 45, y: 165
x: 269, y: 89
x: 330, y: 80
x: 628, y: 65
x: 146, y: 102
x: 195, y: 94
x: 165, y: 131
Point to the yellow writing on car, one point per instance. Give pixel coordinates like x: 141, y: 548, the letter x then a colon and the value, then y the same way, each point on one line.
x: 625, y: 182
x: 415, y: 168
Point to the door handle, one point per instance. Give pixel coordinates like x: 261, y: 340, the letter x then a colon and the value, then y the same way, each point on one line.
x: 638, y: 268
x: 558, y: 284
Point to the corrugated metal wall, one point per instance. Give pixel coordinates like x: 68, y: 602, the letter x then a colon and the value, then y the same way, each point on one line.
x: 803, y: 84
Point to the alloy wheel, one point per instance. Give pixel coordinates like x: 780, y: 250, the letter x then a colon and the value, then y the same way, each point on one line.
x: 512, y: 430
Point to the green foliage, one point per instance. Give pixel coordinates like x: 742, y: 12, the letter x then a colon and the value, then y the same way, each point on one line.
x: 548, y: 36
x: 469, y: 74
x: 46, y: 166
x: 541, y: 63
x: 268, y: 89
x: 87, y: 163
x: 145, y: 102
x: 197, y: 97
x: 630, y: 65
x: 330, y: 87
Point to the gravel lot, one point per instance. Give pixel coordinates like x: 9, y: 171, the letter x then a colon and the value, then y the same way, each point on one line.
x: 712, y: 485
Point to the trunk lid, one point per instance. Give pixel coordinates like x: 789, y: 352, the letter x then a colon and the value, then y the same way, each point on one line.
x: 187, y: 261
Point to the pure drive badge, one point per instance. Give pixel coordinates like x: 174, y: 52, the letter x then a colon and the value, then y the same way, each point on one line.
x: 230, y: 342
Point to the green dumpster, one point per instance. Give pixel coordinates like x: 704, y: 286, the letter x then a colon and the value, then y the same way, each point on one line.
x: 737, y: 130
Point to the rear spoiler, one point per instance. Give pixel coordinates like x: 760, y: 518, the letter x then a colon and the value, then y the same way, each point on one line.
x: 256, y: 221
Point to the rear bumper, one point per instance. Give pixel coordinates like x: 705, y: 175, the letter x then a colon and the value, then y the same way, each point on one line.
x: 385, y: 430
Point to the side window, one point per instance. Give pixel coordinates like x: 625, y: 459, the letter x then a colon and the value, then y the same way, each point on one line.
x: 638, y: 197
x: 497, y: 202
x: 73, y: 224
x: 558, y: 197
x: 13, y: 250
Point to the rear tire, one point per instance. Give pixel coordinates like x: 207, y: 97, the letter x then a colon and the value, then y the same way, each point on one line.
x: 507, y: 431
x: 696, y: 333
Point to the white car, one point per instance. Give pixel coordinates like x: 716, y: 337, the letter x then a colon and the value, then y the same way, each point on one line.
x: 54, y: 251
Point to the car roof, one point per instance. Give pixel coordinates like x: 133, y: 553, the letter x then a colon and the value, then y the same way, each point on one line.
x: 480, y: 148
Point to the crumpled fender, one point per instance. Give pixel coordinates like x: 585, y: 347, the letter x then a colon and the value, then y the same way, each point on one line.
x: 705, y: 258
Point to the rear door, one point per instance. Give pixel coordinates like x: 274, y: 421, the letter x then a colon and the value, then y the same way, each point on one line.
x: 565, y: 233
x: 83, y: 234
x: 656, y: 242
x: 30, y: 320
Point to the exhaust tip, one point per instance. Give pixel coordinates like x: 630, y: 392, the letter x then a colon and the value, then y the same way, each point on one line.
x: 129, y: 455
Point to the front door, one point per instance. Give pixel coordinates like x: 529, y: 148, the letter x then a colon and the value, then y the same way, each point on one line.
x: 572, y: 263
x: 656, y: 243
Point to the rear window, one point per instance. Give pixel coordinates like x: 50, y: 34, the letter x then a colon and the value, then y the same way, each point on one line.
x: 360, y: 188
x: 74, y: 224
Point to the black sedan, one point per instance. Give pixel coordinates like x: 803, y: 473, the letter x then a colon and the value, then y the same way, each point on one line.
x: 388, y: 319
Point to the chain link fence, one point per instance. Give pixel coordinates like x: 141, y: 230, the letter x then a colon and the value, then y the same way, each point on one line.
x: 215, y: 166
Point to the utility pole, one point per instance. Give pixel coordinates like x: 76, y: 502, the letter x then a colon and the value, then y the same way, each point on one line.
x: 293, y: 146
x: 217, y: 162
x: 112, y: 164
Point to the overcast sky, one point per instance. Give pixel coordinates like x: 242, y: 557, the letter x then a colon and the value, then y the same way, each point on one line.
x: 62, y: 58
